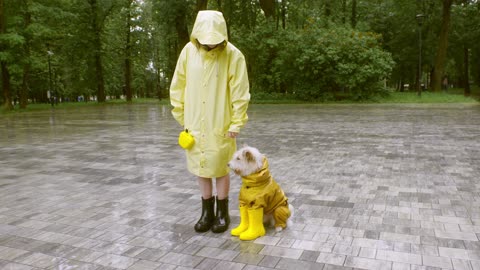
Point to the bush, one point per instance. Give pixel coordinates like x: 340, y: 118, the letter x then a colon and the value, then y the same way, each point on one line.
x: 315, y: 63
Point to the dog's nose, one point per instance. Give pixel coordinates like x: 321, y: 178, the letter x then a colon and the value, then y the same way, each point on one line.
x: 228, y: 164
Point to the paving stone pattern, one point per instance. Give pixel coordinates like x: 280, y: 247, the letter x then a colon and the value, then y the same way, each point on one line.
x: 373, y: 186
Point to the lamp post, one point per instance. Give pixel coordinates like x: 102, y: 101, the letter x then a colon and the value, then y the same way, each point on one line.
x: 419, y: 18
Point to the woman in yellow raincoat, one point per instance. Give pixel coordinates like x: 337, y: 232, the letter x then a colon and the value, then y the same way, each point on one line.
x: 210, y: 94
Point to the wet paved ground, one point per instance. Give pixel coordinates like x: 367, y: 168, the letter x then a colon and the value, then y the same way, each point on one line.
x: 374, y: 187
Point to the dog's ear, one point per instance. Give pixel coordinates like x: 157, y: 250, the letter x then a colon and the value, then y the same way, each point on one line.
x: 249, y: 156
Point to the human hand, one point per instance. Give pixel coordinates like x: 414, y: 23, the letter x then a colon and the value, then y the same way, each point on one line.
x: 232, y: 135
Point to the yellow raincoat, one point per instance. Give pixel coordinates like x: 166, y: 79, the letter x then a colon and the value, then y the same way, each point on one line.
x: 210, y: 94
x: 260, y: 190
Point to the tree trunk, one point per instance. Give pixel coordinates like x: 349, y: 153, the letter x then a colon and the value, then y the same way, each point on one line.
x: 478, y: 54
x: 202, y: 5
x: 23, y: 95
x: 159, y: 84
x: 97, y: 44
x: 417, y: 86
x: 268, y: 7
x: 182, y: 30
x: 328, y: 9
x: 460, y: 76
x: 442, y: 47
x: 478, y: 65
x: 101, y: 97
x: 354, y: 14
x: 466, y: 71
x: 284, y: 14
x: 128, y: 63
x: 5, y: 73
x: 431, y: 78
x: 6, y: 87
x: 344, y: 11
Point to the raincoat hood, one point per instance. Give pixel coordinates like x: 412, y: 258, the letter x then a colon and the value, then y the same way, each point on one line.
x: 209, y: 28
x: 260, y: 178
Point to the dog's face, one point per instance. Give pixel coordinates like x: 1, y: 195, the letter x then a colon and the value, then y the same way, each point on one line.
x: 246, y: 161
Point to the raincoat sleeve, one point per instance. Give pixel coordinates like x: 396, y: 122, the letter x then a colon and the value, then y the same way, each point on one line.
x: 239, y: 92
x: 177, y: 88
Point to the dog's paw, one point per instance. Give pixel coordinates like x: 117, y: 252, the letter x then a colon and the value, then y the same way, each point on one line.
x: 278, y: 229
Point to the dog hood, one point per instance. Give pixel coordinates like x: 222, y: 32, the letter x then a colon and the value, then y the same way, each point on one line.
x: 260, y: 178
x: 209, y: 28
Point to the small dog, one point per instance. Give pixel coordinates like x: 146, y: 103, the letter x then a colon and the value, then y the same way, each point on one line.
x: 261, y: 198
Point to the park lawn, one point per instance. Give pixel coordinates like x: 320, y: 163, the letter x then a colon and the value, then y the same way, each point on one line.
x: 76, y: 105
x: 451, y: 96
x: 425, y: 97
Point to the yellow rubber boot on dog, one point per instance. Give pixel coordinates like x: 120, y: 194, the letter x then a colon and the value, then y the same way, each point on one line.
x: 255, y: 226
x: 243, y: 226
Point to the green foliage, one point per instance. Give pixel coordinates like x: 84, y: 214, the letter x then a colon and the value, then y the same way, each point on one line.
x: 12, y: 39
x: 465, y: 34
x: 317, y: 56
x: 316, y: 63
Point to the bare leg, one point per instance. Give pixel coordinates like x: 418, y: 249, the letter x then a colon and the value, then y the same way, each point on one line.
x: 223, y: 186
x: 205, y: 185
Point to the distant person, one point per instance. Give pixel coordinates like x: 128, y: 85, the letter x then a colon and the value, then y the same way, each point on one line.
x: 445, y: 84
x: 210, y: 94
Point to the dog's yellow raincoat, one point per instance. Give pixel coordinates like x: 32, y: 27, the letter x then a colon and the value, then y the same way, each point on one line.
x: 260, y: 190
x: 210, y: 94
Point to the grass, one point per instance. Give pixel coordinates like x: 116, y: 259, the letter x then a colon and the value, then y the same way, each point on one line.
x: 76, y: 105
x: 426, y: 97
x: 451, y: 96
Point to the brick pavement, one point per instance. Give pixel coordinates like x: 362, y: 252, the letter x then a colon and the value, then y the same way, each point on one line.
x: 374, y: 187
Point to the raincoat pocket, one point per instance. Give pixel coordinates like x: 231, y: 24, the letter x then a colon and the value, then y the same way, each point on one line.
x: 221, y: 136
x: 225, y: 145
x: 186, y: 140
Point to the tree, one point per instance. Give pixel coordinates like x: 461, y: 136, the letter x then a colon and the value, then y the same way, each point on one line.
x: 476, y: 46
x: 108, y: 47
x: 328, y: 9
x: 465, y: 34
x: 128, y: 54
x: 181, y: 26
x: 201, y: 5
x: 354, y: 14
x: 395, y: 21
x: 23, y: 93
x: 442, y: 46
x: 4, y: 65
x: 283, y: 13
x: 268, y: 7
x: 97, y: 21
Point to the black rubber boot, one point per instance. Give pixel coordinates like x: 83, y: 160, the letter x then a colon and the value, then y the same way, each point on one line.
x: 222, y: 219
x: 206, y: 220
